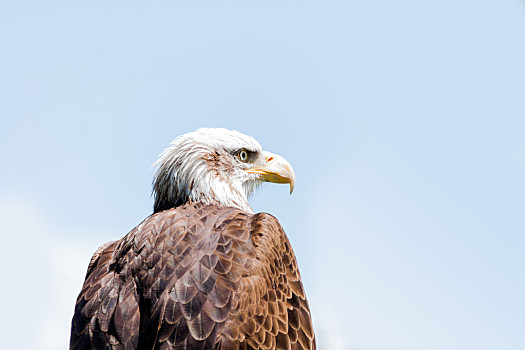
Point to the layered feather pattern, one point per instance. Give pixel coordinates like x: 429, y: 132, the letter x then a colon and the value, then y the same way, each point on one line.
x: 195, y: 277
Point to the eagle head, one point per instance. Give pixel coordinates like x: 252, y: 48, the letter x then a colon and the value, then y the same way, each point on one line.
x: 215, y: 166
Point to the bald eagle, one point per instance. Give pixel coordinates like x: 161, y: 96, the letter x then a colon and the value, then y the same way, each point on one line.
x: 203, y: 271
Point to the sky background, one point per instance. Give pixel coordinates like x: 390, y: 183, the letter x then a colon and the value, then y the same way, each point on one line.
x: 404, y: 121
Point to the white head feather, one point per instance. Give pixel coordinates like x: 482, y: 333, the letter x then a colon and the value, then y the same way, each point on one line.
x: 203, y: 166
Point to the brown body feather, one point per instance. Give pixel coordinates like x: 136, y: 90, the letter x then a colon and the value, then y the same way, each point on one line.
x: 195, y: 277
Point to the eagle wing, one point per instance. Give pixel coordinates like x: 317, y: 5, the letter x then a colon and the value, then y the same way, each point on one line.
x: 107, y: 310
x: 195, y: 277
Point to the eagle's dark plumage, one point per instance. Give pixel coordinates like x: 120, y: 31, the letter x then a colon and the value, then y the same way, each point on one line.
x: 196, y: 276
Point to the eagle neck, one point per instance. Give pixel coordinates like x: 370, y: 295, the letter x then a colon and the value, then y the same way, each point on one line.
x: 204, y: 187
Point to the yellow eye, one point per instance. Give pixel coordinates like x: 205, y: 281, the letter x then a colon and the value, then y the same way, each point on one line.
x: 243, y: 156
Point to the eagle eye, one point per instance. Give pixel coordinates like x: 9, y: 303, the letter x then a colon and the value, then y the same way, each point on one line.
x: 243, y: 155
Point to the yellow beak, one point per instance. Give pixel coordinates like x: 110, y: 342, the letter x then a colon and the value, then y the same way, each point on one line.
x: 274, y: 168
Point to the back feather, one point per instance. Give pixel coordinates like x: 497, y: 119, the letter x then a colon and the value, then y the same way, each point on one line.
x: 195, y: 277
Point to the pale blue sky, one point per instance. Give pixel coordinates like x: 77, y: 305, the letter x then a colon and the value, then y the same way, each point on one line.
x: 404, y: 121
